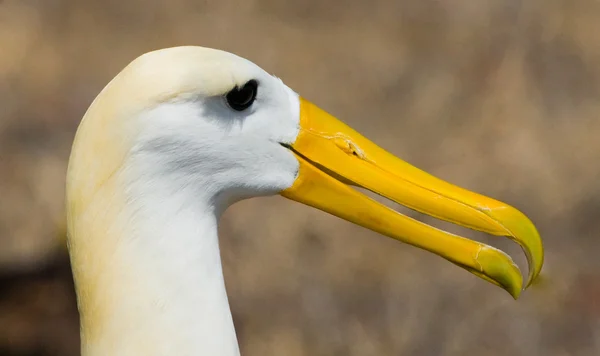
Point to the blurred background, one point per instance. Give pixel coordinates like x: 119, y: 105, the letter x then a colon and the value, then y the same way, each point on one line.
x: 499, y: 96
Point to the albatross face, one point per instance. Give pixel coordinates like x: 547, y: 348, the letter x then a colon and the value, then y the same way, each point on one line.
x: 212, y: 120
x: 220, y: 128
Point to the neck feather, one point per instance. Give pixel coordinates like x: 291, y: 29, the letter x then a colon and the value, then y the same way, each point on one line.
x: 149, y: 278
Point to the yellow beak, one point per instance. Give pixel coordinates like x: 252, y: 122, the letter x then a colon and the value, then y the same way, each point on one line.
x: 332, y: 155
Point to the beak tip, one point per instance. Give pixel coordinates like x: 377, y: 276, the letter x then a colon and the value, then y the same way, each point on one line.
x: 534, y: 251
x: 522, y: 230
x: 497, y: 267
x: 515, y: 293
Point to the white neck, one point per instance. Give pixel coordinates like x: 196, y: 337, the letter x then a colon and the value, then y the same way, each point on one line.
x: 160, y: 290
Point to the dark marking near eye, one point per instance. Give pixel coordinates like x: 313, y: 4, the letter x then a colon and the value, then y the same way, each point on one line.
x: 240, y: 99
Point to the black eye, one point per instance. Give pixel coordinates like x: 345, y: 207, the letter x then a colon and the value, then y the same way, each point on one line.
x: 241, y: 98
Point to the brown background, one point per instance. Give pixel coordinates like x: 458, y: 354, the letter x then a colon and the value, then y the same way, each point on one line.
x: 499, y: 96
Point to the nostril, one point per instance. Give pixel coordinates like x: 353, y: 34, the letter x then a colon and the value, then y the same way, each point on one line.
x: 346, y: 145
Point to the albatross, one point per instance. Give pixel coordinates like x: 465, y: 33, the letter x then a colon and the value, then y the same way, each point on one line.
x: 182, y: 133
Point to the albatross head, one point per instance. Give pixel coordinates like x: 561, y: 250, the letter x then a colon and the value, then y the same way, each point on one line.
x: 215, y: 128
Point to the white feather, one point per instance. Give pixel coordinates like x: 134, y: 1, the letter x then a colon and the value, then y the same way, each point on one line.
x: 148, y: 179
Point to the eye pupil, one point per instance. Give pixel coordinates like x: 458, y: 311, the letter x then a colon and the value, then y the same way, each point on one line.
x: 240, y: 99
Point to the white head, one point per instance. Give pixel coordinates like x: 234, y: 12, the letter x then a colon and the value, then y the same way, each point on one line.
x: 173, y: 120
x: 182, y: 133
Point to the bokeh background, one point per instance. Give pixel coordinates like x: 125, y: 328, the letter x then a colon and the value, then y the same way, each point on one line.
x: 499, y: 96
